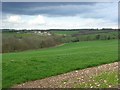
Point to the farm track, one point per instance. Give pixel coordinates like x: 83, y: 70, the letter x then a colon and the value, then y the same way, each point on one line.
x: 68, y: 80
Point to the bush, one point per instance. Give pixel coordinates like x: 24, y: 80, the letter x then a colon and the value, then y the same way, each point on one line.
x: 15, y: 43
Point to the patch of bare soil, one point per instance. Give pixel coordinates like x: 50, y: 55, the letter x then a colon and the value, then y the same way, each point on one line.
x: 59, y: 45
x: 68, y: 80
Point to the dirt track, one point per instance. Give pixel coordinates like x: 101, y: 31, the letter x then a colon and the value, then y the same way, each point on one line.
x: 68, y: 80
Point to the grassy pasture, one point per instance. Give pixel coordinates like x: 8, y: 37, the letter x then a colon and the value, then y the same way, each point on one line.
x: 8, y: 34
x: 0, y: 71
x: 103, y: 36
x: 37, y: 64
x: 65, y: 32
x: 84, y: 32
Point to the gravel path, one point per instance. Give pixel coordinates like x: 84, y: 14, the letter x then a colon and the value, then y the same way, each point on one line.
x: 68, y: 80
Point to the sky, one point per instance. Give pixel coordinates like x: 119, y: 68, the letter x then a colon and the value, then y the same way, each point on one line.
x: 59, y: 15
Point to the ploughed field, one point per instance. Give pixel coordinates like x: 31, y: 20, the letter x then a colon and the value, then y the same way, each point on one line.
x: 31, y: 65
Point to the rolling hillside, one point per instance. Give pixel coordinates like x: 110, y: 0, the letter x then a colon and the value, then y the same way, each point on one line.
x: 37, y: 64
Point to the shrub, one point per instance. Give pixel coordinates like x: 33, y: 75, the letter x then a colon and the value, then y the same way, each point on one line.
x: 15, y: 43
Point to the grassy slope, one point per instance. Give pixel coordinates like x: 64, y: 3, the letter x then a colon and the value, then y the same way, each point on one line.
x: 30, y: 65
x: 0, y: 71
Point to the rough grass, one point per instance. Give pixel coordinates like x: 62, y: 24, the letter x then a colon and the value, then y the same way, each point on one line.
x: 104, y: 80
x: 0, y: 71
x: 37, y: 64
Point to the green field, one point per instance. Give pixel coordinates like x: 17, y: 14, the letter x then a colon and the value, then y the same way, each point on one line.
x: 65, y: 32
x: 0, y: 61
x: 37, y: 64
x: 8, y: 34
x: 81, y: 32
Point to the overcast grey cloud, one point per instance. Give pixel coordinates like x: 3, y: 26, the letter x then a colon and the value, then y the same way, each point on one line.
x: 27, y: 8
x: 60, y: 0
x: 52, y: 14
